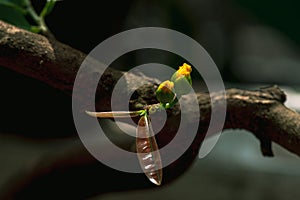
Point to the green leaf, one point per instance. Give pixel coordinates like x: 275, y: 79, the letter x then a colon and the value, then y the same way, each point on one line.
x: 18, y: 5
x: 16, y: 12
x: 13, y: 15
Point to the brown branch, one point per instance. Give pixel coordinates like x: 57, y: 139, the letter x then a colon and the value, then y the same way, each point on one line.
x: 35, y: 56
x: 54, y: 63
x: 262, y: 112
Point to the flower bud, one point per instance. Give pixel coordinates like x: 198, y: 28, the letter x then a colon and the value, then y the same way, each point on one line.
x: 182, y: 79
x: 165, y: 92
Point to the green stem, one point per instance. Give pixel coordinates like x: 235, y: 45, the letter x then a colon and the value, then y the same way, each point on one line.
x: 37, y: 19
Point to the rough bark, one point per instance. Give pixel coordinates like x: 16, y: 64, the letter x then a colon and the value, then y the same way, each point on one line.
x: 262, y: 112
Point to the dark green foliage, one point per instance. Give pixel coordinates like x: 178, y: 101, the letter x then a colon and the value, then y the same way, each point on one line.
x: 22, y: 14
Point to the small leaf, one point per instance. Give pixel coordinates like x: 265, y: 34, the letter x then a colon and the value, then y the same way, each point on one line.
x: 148, y: 152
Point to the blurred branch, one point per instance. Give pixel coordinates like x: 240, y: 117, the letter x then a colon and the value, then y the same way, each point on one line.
x: 73, y: 170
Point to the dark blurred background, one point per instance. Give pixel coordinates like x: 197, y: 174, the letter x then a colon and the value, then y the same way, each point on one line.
x: 253, y: 43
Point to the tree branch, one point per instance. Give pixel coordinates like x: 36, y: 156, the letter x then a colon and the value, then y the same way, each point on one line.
x: 262, y: 112
x: 35, y: 56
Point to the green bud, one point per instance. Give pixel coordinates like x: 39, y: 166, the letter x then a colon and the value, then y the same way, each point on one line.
x: 182, y: 80
x: 165, y: 92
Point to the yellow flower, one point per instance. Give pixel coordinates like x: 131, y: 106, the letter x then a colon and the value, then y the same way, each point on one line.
x: 185, y: 70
